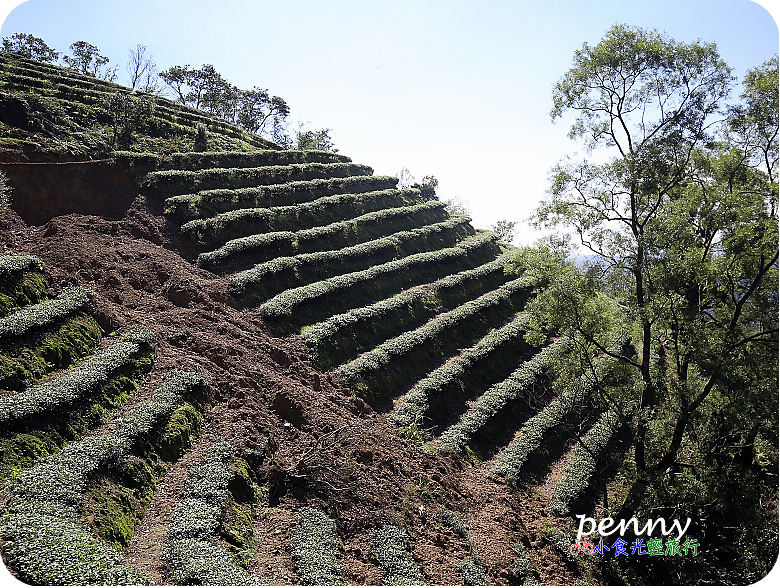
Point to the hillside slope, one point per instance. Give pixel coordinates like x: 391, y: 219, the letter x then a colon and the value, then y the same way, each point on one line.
x: 270, y: 367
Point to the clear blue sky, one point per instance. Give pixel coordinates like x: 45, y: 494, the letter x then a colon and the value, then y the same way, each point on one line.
x: 457, y: 89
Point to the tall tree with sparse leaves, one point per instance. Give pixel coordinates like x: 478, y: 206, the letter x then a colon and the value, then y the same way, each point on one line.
x: 684, y: 230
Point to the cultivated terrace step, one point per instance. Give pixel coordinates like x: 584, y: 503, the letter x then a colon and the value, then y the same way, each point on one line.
x: 296, y: 217
x: 312, y: 303
x: 271, y: 277
x: 47, y: 539
x: 207, y: 203
x: 21, y: 282
x: 392, y: 365
x: 341, y: 336
x: 173, y: 182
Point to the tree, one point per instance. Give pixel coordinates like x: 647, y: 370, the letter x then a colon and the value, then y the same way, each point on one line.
x: 505, y: 230
x: 128, y: 114
x: 86, y: 58
x: 684, y: 229
x: 30, y: 47
x: 256, y: 108
x: 142, y: 70
x: 317, y: 139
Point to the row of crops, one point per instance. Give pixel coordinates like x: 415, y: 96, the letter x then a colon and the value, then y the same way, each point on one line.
x: 411, y: 307
x: 80, y: 99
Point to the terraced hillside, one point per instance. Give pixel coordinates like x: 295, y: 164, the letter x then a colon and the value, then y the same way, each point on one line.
x: 277, y: 367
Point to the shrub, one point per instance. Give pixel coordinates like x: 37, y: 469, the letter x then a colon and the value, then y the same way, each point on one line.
x: 314, y: 544
x: 582, y: 463
x: 172, y: 182
x: 390, y: 548
x: 209, y: 202
x: 5, y: 193
x: 192, y: 552
x: 72, y: 385
x: 416, y: 348
x: 514, y: 457
x: 269, y: 278
x: 39, y: 315
x: 344, y: 334
x: 456, y: 437
x: 44, y: 540
x: 304, y: 304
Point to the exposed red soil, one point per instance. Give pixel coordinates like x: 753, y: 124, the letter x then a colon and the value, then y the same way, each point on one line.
x: 364, y: 476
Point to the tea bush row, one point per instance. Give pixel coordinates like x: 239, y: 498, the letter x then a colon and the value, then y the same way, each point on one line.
x: 340, y: 335
x: 314, y: 544
x: 45, y: 313
x: 582, y: 463
x: 296, y: 217
x: 267, y: 279
x: 456, y: 437
x: 207, y: 203
x: 44, y: 539
x: 69, y: 82
x: 472, y: 569
x: 416, y: 403
x: 266, y: 157
x: 381, y: 279
x: 74, y: 384
x: 243, y: 223
x: 390, y: 548
x: 437, y: 335
x: 533, y: 432
x: 170, y: 182
x: 14, y: 265
x: 192, y: 553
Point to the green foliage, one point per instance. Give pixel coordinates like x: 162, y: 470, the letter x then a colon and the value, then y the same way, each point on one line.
x: 582, y: 463
x: 375, y: 221
x: 5, y: 193
x: 473, y: 568
x: 683, y: 224
x: 70, y: 300
x: 128, y: 114
x: 24, y: 360
x: 87, y: 59
x: 192, y: 552
x: 171, y: 182
x: 314, y: 545
x: 390, y: 547
x: 342, y: 335
x: 44, y: 540
x: 414, y: 350
x: 306, y: 304
x: 74, y: 384
x: 505, y: 230
x: 30, y: 47
x: 271, y: 277
x: 456, y: 437
x: 535, y: 430
x: 209, y: 202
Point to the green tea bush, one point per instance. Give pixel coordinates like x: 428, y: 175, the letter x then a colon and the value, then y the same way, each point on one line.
x: 39, y: 315
x: 267, y: 279
x: 344, y: 334
x: 323, y: 211
x: 210, y: 202
x: 416, y: 403
x: 14, y: 265
x: 390, y: 548
x: 43, y: 539
x: 435, y: 339
x: 582, y: 463
x: 314, y: 545
x: 76, y: 383
x: 192, y: 553
x: 306, y: 304
x: 171, y: 182
x: 533, y: 432
x: 473, y: 568
x: 456, y: 437
x: 232, y: 159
